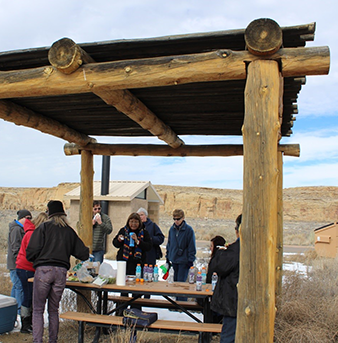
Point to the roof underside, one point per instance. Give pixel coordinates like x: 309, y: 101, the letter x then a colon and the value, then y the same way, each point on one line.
x: 205, y: 108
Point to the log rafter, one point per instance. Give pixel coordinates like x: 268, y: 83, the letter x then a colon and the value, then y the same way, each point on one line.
x: 66, y: 56
x: 217, y: 65
x: 19, y: 115
x: 163, y: 150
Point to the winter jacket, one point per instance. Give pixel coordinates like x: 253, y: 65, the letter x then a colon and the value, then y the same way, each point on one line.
x: 21, y: 260
x: 145, y: 245
x: 181, y: 246
x: 15, y: 236
x: 100, y: 231
x: 157, y: 238
x: 52, y: 245
x: 226, y: 265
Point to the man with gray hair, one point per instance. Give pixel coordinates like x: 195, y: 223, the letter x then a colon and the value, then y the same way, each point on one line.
x: 155, y: 234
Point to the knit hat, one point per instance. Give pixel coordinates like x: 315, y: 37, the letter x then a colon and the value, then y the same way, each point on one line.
x: 23, y: 213
x: 55, y: 207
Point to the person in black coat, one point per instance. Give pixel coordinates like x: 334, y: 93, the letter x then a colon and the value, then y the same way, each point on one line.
x: 225, y: 297
x: 142, y: 243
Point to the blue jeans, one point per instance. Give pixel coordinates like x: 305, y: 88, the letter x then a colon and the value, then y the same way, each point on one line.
x: 180, y: 274
x: 228, y: 330
x: 98, y: 256
x: 49, y: 283
x: 27, y: 287
x: 17, y: 291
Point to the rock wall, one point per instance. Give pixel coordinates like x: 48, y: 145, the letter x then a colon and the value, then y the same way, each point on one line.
x: 307, y: 204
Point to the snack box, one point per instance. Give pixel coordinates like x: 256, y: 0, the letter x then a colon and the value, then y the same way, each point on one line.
x: 8, y: 312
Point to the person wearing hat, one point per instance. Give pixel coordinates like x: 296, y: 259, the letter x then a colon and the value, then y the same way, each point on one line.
x: 15, y: 235
x: 50, y: 248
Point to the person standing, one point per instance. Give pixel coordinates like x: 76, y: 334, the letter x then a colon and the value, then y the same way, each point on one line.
x: 50, y: 248
x: 156, y: 236
x: 135, y: 253
x: 25, y: 270
x: 225, y: 297
x: 15, y: 236
x: 181, y: 246
x: 102, y: 227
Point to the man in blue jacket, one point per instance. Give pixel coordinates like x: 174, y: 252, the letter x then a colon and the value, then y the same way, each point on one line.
x: 181, y: 246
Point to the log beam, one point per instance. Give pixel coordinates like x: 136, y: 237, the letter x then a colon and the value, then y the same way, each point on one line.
x: 22, y: 116
x: 256, y: 287
x: 66, y: 56
x: 163, y: 150
x: 217, y: 65
x: 263, y: 37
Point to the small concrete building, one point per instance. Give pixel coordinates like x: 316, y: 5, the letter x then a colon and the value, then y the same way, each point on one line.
x: 326, y: 240
x: 124, y: 197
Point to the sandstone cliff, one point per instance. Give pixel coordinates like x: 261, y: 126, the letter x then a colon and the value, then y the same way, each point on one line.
x: 308, y: 204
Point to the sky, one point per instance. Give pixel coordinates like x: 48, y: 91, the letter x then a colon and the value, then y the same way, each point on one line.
x: 29, y: 158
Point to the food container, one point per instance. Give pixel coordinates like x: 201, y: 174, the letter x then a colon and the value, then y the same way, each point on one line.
x: 8, y: 312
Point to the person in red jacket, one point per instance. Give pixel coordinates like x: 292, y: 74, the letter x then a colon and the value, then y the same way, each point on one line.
x: 25, y: 270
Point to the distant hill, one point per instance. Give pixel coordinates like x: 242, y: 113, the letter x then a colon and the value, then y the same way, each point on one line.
x: 308, y: 204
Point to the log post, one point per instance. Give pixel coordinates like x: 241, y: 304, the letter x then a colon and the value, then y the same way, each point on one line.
x: 279, y: 236
x: 256, y: 288
x: 85, y: 226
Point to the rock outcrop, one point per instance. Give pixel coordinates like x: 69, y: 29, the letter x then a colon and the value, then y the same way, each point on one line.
x: 308, y: 204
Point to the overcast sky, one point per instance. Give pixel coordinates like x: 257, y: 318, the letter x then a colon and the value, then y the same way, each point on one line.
x: 29, y: 158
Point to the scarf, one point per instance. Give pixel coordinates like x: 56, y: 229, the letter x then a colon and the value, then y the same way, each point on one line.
x: 127, y: 250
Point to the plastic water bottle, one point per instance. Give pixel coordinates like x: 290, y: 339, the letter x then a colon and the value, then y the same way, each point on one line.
x: 214, y: 279
x: 204, y: 276
x: 145, y: 272
x: 191, y: 276
x: 138, y: 271
x: 156, y: 273
x: 199, y: 281
x: 171, y: 275
x: 150, y: 273
x: 131, y: 241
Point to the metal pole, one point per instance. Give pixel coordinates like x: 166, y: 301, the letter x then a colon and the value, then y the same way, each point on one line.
x: 105, y: 181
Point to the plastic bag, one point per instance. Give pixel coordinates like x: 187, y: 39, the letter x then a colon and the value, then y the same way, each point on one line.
x: 83, y: 275
x: 107, y: 272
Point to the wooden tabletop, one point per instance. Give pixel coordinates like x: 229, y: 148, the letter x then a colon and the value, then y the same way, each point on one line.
x: 161, y: 287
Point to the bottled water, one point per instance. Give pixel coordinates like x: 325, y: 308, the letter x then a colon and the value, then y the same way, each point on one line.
x: 214, y: 279
x: 131, y: 240
x: 171, y: 275
x: 199, y: 281
x: 156, y: 273
x: 204, y: 276
x: 191, y: 275
x: 138, y: 271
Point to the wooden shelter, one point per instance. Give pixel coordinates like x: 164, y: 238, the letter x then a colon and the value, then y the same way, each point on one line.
x: 238, y: 82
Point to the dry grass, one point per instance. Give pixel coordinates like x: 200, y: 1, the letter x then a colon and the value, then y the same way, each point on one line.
x: 308, y: 312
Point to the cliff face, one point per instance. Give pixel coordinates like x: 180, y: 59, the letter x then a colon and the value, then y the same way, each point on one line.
x: 318, y: 204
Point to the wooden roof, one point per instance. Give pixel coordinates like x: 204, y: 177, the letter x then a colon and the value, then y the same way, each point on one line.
x: 200, y: 108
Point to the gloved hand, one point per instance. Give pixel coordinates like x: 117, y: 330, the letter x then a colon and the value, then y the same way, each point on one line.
x: 190, y: 264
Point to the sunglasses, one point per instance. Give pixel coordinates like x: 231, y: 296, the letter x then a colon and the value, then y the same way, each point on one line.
x: 28, y: 217
x: 177, y: 218
x: 97, y: 209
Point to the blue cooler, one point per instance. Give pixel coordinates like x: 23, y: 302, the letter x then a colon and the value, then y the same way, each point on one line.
x: 8, y: 311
